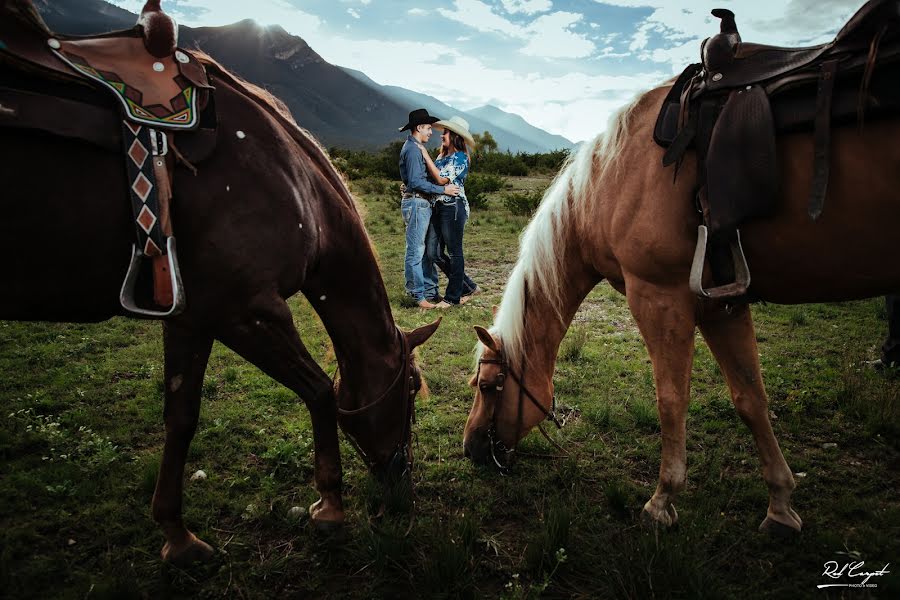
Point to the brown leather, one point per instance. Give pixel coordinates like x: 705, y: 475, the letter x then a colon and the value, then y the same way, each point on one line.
x: 822, y: 138
x: 127, y: 57
x: 160, y: 31
x: 731, y: 64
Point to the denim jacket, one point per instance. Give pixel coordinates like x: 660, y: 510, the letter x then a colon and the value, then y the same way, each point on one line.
x: 412, y: 170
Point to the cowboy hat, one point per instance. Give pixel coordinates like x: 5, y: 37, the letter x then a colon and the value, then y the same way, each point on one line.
x: 419, y: 116
x: 459, y: 126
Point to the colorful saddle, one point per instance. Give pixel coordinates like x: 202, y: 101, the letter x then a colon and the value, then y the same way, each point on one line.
x: 161, y: 92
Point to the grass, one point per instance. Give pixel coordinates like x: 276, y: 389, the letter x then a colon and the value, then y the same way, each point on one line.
x: 81, y: 434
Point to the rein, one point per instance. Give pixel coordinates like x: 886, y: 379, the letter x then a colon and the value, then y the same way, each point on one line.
x: 405, y: 378
x: 496, y: 444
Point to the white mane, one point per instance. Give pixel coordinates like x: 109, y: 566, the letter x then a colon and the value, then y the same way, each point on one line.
x: 540, y: 251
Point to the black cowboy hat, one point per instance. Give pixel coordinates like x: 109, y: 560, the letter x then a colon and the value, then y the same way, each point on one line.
x: 419, y: 116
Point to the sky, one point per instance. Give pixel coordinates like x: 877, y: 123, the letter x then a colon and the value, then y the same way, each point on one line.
x: 564, y: 65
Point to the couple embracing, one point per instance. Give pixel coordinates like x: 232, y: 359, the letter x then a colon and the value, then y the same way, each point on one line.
x: 435, y: 210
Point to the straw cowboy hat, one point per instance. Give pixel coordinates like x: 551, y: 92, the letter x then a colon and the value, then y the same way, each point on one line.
x: 457, y: 125
x: 419, y: 116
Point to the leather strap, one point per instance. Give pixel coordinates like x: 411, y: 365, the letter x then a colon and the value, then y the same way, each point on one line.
x: 822, y: 138
x: 62, y: 117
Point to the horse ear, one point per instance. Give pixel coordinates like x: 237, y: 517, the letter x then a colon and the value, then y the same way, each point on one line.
x: 487, y: 339
x: 494, y: 310
x: 420, y: 335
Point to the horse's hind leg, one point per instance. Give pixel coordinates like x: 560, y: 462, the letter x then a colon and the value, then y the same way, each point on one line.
x: 266, y: 336
x: 666, y: 319
x: 186, y: 356
x: 733, y: 342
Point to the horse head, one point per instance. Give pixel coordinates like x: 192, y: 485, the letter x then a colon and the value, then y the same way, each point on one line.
x: 504, y: 409
x: 381, y: 430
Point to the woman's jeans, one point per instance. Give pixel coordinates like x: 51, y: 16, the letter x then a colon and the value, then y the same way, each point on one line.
x: 450, y: 221
x: 418, y: 268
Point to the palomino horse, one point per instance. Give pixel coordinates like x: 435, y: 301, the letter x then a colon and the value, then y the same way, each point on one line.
x: 264, y: 216
x: 615, y: 213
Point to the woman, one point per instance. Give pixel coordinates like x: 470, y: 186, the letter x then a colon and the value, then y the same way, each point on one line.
x: 450, y: 213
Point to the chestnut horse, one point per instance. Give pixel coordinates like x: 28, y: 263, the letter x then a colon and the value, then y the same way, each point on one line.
x: 615, y: 213
x: 265, y: 216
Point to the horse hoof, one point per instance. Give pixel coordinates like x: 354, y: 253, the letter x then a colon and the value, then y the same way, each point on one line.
x: 654, y: 517
x: 325, y: 518
x: 193, y: 550
x: 778, y: 529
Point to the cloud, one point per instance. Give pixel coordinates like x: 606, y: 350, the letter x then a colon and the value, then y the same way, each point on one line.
x: 417, y: 12
x: 548, y: 36
x: 673, y: 31
x: 200, y: 13
x: 353, y: 13
x: 528, y: 7
x: 573, y: 104
x: 551, y: 37
x: 481, y: 17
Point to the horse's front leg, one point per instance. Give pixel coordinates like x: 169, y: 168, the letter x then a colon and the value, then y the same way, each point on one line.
x: 666, y: 319
x: 186, y: 357
x: 732, y: 341
x: 266, y: 336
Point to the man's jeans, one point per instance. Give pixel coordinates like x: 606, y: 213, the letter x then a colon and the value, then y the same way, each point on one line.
x: 421, y: 276
x: 450, y: 221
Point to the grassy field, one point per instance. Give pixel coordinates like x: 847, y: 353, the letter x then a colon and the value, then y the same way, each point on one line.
x: 81, y: 434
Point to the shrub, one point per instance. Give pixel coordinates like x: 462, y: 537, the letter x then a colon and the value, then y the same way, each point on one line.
x: 478, y: 185
x: 522, y: 203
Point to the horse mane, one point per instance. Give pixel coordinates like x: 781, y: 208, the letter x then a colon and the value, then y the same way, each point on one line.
x: 280, y: 112
x: 538, y: 270
x: 25, y: 11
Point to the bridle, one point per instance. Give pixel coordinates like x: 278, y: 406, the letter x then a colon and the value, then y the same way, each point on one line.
x: 506, y: 370
x: 496, y: 444
x: 401, y: 455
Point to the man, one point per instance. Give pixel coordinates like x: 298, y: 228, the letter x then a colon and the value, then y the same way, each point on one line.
x: 416, y: 205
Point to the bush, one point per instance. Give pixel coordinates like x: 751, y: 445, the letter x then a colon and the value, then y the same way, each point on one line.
x: 479, y: 185
x: 522, y: 203
x: 501, y: 163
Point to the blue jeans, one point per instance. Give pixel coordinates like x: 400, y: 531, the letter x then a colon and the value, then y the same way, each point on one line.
x: 450, y: 222
x: 418, y: 268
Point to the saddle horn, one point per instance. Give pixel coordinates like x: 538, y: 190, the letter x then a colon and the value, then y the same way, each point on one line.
x: 160, y: 30
x: 727, y: 24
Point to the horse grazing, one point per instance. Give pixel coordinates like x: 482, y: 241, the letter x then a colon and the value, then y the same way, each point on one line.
x: 259, y: 217
x: 615, y: 213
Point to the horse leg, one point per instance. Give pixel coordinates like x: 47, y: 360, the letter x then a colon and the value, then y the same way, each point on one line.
x: 266, y: 336
x: 666, y: 319
x: 732, y: 341
x: 186, y: 356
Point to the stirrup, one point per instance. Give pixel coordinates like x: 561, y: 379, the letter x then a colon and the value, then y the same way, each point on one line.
x: 126, y: 297
x: 741, y: 271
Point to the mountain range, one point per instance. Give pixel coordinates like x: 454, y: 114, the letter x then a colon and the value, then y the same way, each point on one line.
x: 341, y: 107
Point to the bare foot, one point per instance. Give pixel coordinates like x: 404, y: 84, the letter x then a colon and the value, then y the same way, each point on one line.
x: 426, y: 304
x: 442, y: 305
x: 465, y: 299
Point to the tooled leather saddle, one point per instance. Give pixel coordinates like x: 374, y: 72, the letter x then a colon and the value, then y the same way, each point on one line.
x: 730, y: 107
x: 132, y: 92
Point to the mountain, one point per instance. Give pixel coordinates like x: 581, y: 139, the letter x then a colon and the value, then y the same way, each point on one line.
x: 520, y: 127
x: 341, y: 107
x: 506, y: 138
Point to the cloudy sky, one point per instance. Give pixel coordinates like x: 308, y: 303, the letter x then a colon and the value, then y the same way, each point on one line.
x: 564, y: 65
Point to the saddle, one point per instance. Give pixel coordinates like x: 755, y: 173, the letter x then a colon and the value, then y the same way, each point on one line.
x: 132, y: 92
x: 730, y: 108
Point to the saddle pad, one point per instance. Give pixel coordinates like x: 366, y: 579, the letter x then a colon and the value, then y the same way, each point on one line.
x: 151, y: 91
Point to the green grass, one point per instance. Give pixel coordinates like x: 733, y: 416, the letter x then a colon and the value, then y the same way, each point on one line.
x: 81, y: 433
